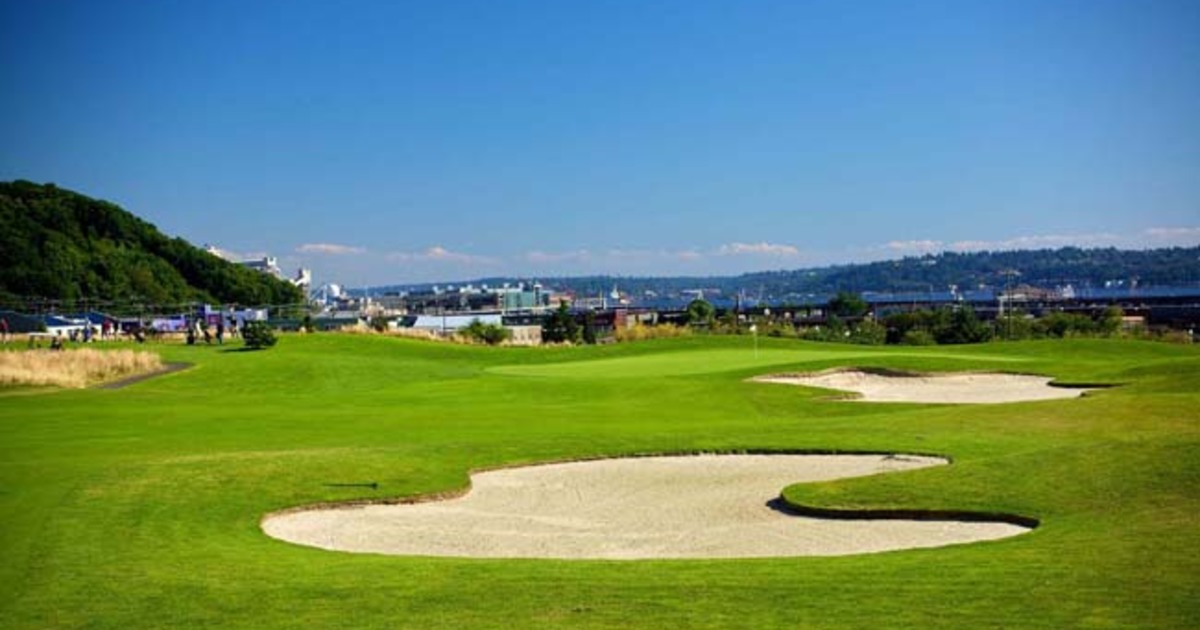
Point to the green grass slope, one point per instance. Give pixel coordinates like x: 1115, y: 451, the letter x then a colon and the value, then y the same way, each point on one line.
x: 140, y: 507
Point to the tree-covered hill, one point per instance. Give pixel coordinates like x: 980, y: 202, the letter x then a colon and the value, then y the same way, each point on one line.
x: 968, y: 270
x: 60, y: 245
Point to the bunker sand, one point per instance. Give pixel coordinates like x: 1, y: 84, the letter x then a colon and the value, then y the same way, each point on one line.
x: 703, y: 506
x: 969, y: 388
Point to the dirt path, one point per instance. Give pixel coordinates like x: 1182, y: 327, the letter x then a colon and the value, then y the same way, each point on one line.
x: 705, y: 506
x: 137, y: 378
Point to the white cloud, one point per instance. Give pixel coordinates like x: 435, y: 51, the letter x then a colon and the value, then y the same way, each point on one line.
x: 1168, y: 236
x: 728, y: 258
x: 329, y: 249
x: 540, y: 257
x: 586, y: 255
x: 611, y: 261
x: 1150, y: 237
x: 758, y: 249
x: 1043, y: 241
x: 437, y: 253
x: 685, y: 255
x: 917, y: 246
x: 633, y: 254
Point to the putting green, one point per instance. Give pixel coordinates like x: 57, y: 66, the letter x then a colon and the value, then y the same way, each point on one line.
x: 722, y: 360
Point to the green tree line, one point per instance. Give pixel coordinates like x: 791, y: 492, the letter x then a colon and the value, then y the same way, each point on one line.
x: 848, y: 320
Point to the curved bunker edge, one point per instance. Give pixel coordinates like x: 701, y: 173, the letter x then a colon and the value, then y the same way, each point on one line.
x: 776, y: 527
x: 873, y: 384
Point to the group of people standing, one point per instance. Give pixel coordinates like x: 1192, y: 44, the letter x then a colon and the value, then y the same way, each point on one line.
x: 196, y: 329
x: 107, y: 331
x: 199, y: 329
x: 89, y: 332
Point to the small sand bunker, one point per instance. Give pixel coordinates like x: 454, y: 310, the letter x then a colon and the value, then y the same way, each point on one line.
x: 932, y: 388
x: 704, y: 506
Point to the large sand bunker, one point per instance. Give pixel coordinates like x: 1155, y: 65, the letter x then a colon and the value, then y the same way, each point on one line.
x: 932, y: 388
x: 703, y: 506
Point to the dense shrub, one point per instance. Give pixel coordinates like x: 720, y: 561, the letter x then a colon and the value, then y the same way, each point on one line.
x: 846, y: 304
x: 560, y: 326
x: 944, y: 325
x: 491, y: 334
x: 589, y: 328
x: 778, y: 329
x: 868, y: 333
x: 960, y: 326
x: 257, y: 335
x: 1015, y: 325
x: 700, y: 312
x: 379, y: 323
x: 918, y: 337
x: 833, y: 330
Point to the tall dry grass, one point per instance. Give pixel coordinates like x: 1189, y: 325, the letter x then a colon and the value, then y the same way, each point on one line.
x: 413, y: 333
x: 641, y: 332
x: 73, y: 368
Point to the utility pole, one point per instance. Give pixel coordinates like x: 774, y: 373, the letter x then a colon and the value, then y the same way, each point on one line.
x: 1007, y: 315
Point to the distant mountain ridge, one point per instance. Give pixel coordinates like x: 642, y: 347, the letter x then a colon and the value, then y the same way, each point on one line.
x: 59, y: 245
x: 970, y: 270
x: 1082, y: 268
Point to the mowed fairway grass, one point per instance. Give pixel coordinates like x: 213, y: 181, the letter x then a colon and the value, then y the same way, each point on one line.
x: 140, y: 507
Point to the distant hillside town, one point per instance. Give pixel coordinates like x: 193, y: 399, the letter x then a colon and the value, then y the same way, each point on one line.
x: 268, y: 265
x: 87, y: 269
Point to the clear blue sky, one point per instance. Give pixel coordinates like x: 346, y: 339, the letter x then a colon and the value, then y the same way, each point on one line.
x: 383, y: 142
